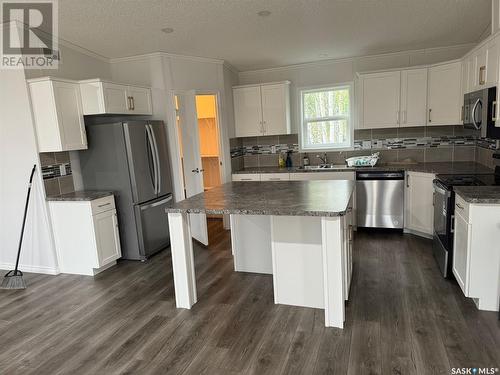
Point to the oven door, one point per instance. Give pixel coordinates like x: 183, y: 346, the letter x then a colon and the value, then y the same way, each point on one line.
x: 442, y: 246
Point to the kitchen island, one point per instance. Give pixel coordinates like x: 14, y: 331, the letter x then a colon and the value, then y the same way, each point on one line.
x: 299, y: 231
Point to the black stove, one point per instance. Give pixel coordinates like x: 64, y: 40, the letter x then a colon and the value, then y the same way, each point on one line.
x: 444, y: 211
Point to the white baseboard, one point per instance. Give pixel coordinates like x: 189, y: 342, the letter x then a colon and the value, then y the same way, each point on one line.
x: 31, y: 269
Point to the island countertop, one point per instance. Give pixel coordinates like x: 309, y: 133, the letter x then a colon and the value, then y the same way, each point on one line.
x: 291, y: 198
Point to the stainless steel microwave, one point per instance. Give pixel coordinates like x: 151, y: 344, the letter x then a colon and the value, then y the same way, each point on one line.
x: 479, y: 112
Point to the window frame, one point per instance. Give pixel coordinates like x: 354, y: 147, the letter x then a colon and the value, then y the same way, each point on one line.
x: 302, y: 133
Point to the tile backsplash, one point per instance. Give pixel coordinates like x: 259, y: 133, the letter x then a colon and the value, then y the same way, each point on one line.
x: 420, y: 144
x: 56, y: 172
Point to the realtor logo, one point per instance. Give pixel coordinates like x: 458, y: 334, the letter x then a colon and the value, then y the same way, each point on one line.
x: 29, y: 34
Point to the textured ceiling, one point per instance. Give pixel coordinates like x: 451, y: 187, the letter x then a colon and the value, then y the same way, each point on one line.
x: 297, y: 31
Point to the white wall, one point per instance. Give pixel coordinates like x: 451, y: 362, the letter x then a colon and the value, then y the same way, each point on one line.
x: 332, y: 72
x: 168, y: 74
x: 18, y: 153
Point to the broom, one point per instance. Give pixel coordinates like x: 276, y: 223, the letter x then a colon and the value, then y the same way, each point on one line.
x: 14, y: 279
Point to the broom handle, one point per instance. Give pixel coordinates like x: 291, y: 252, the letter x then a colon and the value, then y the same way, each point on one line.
x: 24, y: 218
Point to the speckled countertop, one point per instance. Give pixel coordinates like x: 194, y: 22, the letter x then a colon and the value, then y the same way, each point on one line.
x: 84, y: 195
x: 464, y: 167
x: 479, y: 194
x: 293, y: 198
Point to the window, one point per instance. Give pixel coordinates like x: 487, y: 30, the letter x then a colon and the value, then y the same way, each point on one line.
x: 326, y: 118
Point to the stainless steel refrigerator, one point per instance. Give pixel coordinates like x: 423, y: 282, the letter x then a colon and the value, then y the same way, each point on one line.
x: 131, y: 159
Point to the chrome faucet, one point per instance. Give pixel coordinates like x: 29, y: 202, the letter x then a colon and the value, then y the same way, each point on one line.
x: 323, y: 159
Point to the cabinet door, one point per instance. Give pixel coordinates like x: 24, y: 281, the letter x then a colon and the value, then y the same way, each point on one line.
x: 275, y: 109
x: 492, y: 63
x: 70, y: 115
x: 461, y: 247
x: 480, y: 58
x: 140, y: 100
x: 247, y: 111
x: 115, y: 98
x: 419, y: 208
x: 107, y: 237
x: 413, y: 97
x: 444, y: 94
x: 380, y: 97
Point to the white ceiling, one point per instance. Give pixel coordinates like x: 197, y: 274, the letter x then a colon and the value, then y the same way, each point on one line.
x: 297, y: 31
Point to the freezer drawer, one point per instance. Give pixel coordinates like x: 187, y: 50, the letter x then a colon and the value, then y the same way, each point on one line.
x: 152, y: 225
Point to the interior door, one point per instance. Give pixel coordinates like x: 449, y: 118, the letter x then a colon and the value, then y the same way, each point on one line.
x: 191, y: 160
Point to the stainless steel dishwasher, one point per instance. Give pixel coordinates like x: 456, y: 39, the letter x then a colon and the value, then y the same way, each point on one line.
x: 380, y: 199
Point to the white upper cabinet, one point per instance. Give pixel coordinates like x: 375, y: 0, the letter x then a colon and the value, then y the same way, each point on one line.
x: 58, y: 114
x: 275, y: 109
x: 247, y: 111
x: 413, y: 97
x: 262, y: 109
x: 483, y: 66
x: 100, y: 97
x: 444, y: 94
x: 380, y: 99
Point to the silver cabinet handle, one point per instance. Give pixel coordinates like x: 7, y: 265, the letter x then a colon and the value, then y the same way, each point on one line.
x: 494, y: 111
x: 350, y: 233
x: 104, y: 205
x: 132, y: 104
x: 462, y: 114
x: 407, y: 180
x: 430, y: 110
x: 458, y: 205
x: 482, y: 71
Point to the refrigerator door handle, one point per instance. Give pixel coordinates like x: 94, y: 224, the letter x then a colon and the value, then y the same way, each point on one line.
x: 157, y: 160
x: 151, y: 147
x: 156, y: 204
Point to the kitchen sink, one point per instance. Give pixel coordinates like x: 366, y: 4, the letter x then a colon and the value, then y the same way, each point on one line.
x: 322, y: 167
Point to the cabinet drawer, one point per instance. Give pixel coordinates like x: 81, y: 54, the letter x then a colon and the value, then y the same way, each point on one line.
x: 246, y: 177
x: 461, y: 207
x: 103, y: 204
x: 275, y: 176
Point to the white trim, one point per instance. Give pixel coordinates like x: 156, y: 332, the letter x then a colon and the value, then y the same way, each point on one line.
x: 165, y: 54
x: 263, y: 84
x: 31, y: 268
x: 301, y: 90
x: 353, y: 58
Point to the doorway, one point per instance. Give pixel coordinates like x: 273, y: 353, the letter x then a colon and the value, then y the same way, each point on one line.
x: 198, y: 138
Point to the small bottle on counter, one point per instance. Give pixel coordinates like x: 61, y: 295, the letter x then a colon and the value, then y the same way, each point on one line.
x: 305, y: 160
x: 288, y: 161
x: 281, y: 161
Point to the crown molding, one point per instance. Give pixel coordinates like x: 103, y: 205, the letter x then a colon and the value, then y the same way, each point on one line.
x: 354, y: 58
x: 166, y: 54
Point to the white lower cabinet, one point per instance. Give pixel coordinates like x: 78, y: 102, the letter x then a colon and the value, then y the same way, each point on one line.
x: 246, y: 177
x: 275, y: 176
x: 86, y: 235
x: 419, y: 208
x: 476, y: 259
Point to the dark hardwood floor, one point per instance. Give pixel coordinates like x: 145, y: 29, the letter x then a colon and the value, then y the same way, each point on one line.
x: 402, y: 318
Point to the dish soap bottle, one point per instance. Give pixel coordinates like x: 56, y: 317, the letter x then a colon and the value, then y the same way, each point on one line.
x: 288, y: 162
x: 281, y: 161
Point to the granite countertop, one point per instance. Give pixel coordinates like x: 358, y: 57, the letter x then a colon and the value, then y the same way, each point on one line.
x: 464, y: 167
x: 479, y: 194
x: 84, y: 195
x: 293, y: 198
